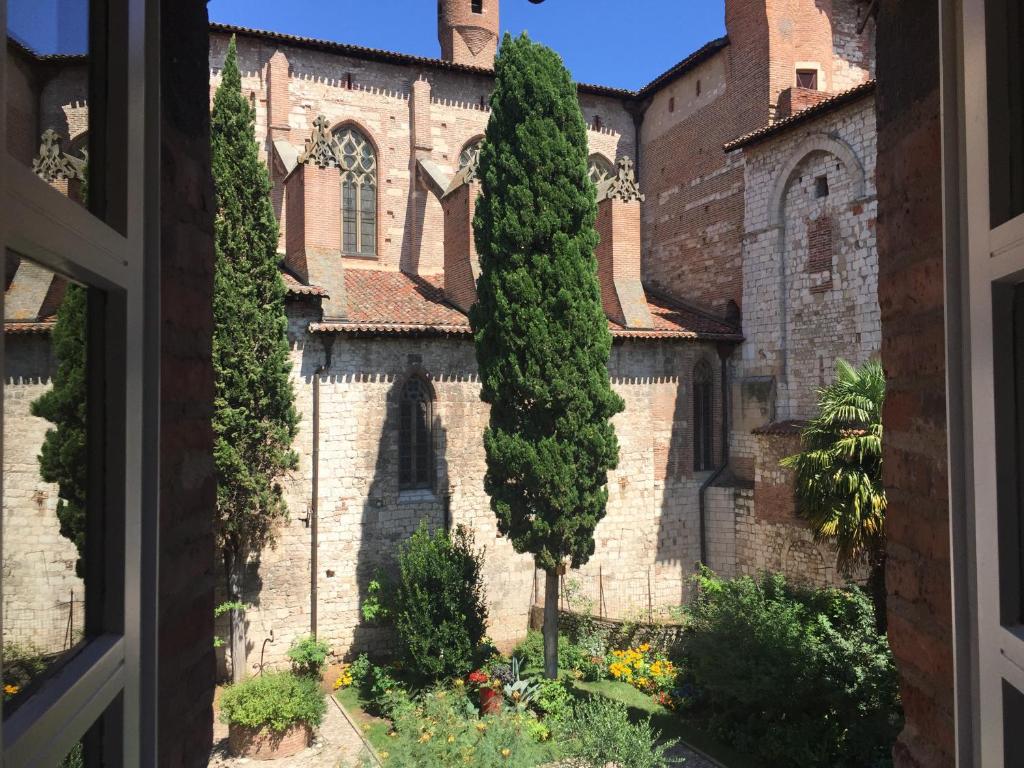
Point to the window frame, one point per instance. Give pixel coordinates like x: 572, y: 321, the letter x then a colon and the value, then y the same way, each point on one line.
x: 112, y: 679
x: 801, y: 71
x: 407, y: 422
x: 358, y: 188
x: 703, y: 416
x: 982, y: 263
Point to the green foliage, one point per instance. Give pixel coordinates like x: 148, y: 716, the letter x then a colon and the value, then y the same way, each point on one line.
x: 542, y: 339
x: 794, y: 676
x: 276, y: 701
x: 64, y: 458
x: 553, y: 700
x: 22, y: 663
x: 220, y: 610
x: 254, y: 414
x: 308, y: 656
x: 373, y: 607
x: 839, y: 468
x: 600, y: 732
x: 441, y: 728
x: 75, y: 758
x: 573, y: 658
x: 438, y: 604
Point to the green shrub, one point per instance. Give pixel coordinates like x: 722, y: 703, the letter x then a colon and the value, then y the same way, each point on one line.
x: 553, y: 700
x: 794, y: 676
x: 600, y: 732
x: 308, y: 656
x: 276, y: 701
x: 573, y: 659
x: 438, y: 604
x: 442, y: 728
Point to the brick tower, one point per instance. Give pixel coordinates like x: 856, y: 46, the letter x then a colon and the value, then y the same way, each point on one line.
x: 468, y: 31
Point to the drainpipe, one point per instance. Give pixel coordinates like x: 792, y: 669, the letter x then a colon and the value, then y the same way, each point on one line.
x: 724, y: 352
x: 314, y: 506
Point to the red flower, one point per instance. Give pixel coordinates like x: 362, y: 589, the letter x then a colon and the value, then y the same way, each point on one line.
x: 478, y: 677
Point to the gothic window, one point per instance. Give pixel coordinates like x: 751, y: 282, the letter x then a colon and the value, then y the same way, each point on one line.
x: 358, y: 192
x: 703, y: 382
x: 415, y: 435
x: 600, y: 169
x: 470, y: 154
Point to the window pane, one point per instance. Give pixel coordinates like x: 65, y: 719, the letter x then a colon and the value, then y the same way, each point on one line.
x: 45, y: 476
x: 57, y: 84
x: 1005, y: 22
x: 368, y: 224
x: 348, y: 217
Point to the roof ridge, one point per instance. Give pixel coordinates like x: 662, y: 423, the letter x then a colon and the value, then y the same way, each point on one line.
x: 684, y: 65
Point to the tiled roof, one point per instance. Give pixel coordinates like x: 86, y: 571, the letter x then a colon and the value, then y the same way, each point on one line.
x: 397, y: 304
x: 782, y: 428
x: 296, y: 287
x: 389, y: 57
x: 42, y: 327
x: 833, y: 102
x: 684, y: 66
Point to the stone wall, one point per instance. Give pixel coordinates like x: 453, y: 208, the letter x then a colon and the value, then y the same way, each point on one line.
x: 43, y: 599
x: 647, y: 545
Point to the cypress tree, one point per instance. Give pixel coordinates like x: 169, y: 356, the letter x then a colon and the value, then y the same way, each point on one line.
x: 542, y: 339
x: 255, y: 420
x: 63, y: 458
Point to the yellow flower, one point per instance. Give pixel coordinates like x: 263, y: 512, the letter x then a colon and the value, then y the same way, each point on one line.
x: 481, y: 727
x: 459, y: 682
x: 425, y: 737
x: 383, y: 755
x: 506, y: 752
x: 451, y: 739
x: 11, y: 690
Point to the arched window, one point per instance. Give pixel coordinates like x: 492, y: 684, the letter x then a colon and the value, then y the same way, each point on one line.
x: 358, y: 192
x: 415, y: 435
x: 600, y: 169
x: 470, y: 153
x: 703, y: 386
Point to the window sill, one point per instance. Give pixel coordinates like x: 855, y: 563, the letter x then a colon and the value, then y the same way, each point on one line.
x: 418, y: 496
x: 361, y: 256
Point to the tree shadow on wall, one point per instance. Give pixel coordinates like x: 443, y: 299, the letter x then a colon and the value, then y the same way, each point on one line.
x: 390, y: 515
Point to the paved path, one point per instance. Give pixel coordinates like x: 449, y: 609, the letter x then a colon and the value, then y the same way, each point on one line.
x: 336, y: 745
x: 693, y: 759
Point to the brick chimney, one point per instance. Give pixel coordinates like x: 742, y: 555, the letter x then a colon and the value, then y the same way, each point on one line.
x: 313, y: 238
x: 618, y: 253
x: 468, y: 31
x: 461, y: 262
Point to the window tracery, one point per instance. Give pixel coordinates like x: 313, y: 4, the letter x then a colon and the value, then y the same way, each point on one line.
x: 358, y: 166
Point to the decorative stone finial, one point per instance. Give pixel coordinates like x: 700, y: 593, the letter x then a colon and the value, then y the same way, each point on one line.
x: 320, y: 147
x: 52, y: 164
x: 624, y: 185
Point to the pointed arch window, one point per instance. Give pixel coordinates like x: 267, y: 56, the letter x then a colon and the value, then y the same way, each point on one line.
x: 358, y: 169
x: 703, y: 383
x: 416, y: 435
x: 470, y: 153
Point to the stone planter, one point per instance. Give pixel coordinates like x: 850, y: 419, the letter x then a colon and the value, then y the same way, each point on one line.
x: 490, y: 701
x: 264, y: 744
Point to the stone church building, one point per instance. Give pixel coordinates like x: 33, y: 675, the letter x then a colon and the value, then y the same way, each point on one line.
x: 737, y: 261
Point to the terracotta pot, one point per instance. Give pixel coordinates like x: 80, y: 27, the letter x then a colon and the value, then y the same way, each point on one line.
x: 264, y: 744
x: 490, y: 701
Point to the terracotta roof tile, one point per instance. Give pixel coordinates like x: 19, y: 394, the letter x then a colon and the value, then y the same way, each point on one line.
x: 43, y: 327
x: 394, y: 303
x: 838, y: 100
x: 296, y: 287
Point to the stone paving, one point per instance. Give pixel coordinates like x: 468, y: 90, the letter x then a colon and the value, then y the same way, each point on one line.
x: 336, y: 745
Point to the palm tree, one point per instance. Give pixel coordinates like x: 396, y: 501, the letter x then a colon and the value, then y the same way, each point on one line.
x: 838, y: 473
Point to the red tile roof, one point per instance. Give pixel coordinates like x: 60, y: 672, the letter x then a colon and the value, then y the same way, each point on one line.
x: 833, y: 102
x: 42, y: 327
x: 394, y: 303
x: 296, y: 287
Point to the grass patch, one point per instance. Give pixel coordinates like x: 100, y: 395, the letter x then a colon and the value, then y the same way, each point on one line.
x: 671, y: 724
x: 375, y: 729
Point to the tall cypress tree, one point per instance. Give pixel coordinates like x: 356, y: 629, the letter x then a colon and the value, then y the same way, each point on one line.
x: 63, y: 458
x: 255, y: 420
x: 542, y: 339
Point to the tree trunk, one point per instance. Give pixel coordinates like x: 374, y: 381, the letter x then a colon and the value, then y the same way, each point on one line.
x: 551, y: 625
x: 236, y: 591
x: 877, y: 589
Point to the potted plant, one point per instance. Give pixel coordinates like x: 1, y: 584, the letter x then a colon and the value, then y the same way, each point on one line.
x: 490, y: 692
x: 272, y: 716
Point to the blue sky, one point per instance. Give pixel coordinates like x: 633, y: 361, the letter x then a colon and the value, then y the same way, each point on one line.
x: 621, y: 43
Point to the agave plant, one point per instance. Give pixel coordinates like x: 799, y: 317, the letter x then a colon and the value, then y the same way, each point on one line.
x: 521, y: 693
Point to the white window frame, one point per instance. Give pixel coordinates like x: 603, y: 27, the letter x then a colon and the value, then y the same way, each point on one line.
x: 978, y: 257
x: 115, y: 673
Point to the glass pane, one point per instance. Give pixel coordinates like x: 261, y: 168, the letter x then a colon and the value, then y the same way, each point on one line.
x: 45, y: 475
x: 1005, y: 23
x: 348, y: 216
x: 56, y: 86
x: 368, y: 223
x: 1013, y: 735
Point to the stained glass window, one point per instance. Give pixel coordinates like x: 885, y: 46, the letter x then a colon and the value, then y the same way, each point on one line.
x: 358, y: 191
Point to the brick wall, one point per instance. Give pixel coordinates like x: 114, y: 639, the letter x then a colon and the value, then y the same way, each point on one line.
x: 187, y: 486
x: 913, y: 353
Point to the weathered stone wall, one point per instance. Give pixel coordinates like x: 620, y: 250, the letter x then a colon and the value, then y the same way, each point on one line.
x: 43, y: 598
x: 646, y: 546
